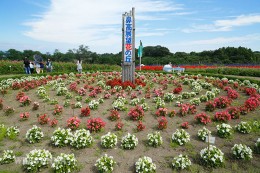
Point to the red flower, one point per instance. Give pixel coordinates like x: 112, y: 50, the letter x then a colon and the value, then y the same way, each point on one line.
x: 162, y: 123
x: 203, y: 118
x: 140, y: 126
x: 95, y: 124
x: 185, y: 125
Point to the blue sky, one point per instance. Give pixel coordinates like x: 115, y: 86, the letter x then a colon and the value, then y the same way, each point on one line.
x: 180, y: 25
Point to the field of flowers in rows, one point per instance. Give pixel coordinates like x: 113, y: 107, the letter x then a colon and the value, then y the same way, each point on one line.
x: 160, y: 67
x: 96, y: 123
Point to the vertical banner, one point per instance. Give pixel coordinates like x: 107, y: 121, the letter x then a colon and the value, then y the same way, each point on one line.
x: 128, y: 46
x: 128, y: 34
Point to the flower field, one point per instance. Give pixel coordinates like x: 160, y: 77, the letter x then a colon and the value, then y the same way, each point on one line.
x: 94, y: 122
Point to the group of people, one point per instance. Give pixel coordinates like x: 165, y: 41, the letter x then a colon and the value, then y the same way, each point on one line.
x: 38, y: 66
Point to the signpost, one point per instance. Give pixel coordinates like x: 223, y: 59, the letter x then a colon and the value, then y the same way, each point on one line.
x: 128, y: 46
x: 140, y: 53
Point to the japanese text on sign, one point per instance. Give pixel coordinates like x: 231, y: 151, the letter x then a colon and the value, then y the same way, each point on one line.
x: 128, y: 39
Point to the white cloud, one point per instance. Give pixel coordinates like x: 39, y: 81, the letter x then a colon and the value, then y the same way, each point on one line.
x: 225, y: 25
x: 224, y: 40
x: 92, y: 23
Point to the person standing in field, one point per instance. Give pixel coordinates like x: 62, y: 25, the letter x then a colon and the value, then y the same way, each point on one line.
x: 79, y: 66
x: 26, y: 63
x: 31, y: 67
x: 41, y: 67
x: 49, y: 65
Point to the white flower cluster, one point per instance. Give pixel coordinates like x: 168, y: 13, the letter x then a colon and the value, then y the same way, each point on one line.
x: 68, y: 95
x: 154, y: 139
x: 100, y: 100
x: 160, y: 103
x: 212, y: 156
x: 168, y: 97
x: 243, y: 127
x: 211, y: 95
x: 119, y: 104
x: 34, y: 134
x: 186, y: 95
x: 37, y: 159
x: 203, y: 133
x: 145, y: 165
x: 81, y: 139
x: 12, y: 131
x: 196, y: 87
x: 41, y: 92
x: 64, y: 163
x: 93, y: 104
x: 78, y: 105
x: 224, y: 130
x: 61, y: 91
x: 144, y: 106
x: 241, y: 151
x: 195, y: 101
x: 105, y: 164
x: 181, y: 162
x: 204, y: 98
x: 61, y: 137
x: 134, y: 101
x: 216, y: 91
x: 180, y: 137
x: 108, y: 140
x: 8, y: 157
x: 129, y: 141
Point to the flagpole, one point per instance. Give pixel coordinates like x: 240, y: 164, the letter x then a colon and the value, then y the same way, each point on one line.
x: 140, y: 62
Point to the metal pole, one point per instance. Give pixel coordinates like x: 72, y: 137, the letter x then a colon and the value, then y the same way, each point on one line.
x: 140, y: 63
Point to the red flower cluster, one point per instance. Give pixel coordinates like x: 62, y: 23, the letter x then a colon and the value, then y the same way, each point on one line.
x: 232, y: 94
x: 82, y: 91
x: 172, y: 113
x: 177, y: 90
x: 223, y: 116
x: 136, y: 113
x: 57, y: 110
x: 25, y: 101
x: 20, y: 95
x: 119, y: 125
x: 161, y: 112
x: 210, y: 106
x: 95, y: 124
x: 253, y: 102
x: 24, y: 116
x: 73, y: 86
x: 140, y: 126
x: 162, y: 123
x: 114, y: 115
x: 43, y: 119
x: 73, y: 122
x: 250, y: 91
x: 234, y: 112
x: 203, y: 118
x: 222, y: 102
x: 53, y: 122
x: 85, y: 112
x: 187, y: 109
x: 185, y: 125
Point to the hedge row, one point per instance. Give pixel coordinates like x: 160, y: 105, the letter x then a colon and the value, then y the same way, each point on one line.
x: 228, y: 71
x: 16, y: 67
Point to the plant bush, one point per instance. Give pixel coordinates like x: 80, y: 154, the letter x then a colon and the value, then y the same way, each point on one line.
x: 129, y: 141
x: 34, y: 134
x: 212, y: 156
x: 64, y: 163
x: 180, y: 137
x: 8, y: 157
x: 109, y: 140
x: 241, y: 151
x: 224, y: 130
x: 243, y: 127
x: 181, y: 162
x: 145, y: 165
x: 36, y: 160
x: 154, y: 139
x: 105, y: 164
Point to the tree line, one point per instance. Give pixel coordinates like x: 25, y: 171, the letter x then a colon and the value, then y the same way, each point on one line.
x: 152, y: 55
